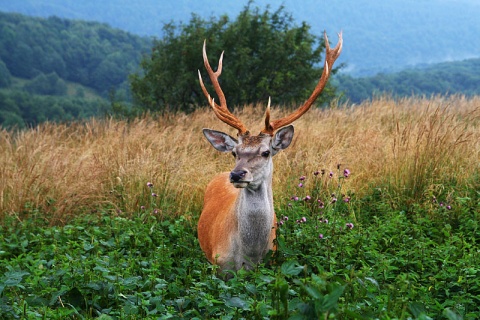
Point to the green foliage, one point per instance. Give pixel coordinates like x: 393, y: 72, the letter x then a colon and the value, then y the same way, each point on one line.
x: 370, y: 262
x: 266, y: 54
x: 380, y: 37
x: 19, y: 109
x: 45, y: 55
x: 460, y: 77
x: 50, y: 84
x: 91, y: 54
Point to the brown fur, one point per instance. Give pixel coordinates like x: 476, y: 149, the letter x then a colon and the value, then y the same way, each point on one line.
x: 218, y: 221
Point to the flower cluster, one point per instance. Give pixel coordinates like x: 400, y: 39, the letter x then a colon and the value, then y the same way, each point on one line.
x: 154, y: 195
x: 150, y: 185
x: 302, y: 220
x: 441, y: 204
x: 283, y: 220
x: 319, y: 205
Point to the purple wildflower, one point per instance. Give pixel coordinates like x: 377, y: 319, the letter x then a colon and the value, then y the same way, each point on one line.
x: 149, y: 184
x: 307, y: 198
x: 349, y: 225
x: 302, y: 178
x: 320, y: 236
x: 346, y: 173
x: 330, y: 174
x: 154, y: 194
x: 316, y: 173
x: 300, y: 185
x: 449, y: 207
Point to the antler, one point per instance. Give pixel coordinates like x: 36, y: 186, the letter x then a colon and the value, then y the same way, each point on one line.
x: 331, y: 56
x: 221, y: 110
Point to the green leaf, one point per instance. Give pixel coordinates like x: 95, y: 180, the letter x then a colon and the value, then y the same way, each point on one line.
x: 291, y: 268
x: 313, y: 292
x: 416, y: 308
x: 130, y: 309
x: 251, y: 288
x: 14, y: 278
x: 101, y: 269
x: 330, y: 300
x: 88, y: 246
x: 237, y: 302
x: 451, y: 315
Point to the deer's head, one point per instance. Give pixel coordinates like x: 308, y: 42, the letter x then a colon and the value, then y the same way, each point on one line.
x: 253, y: 153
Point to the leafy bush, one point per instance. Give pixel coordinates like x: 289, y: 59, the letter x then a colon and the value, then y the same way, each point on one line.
x: 266, y: 54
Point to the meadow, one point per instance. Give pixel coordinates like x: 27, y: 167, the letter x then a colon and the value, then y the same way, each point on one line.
x: 378, y: 207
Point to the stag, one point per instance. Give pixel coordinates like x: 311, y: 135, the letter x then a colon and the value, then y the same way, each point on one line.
x: 237, y: 226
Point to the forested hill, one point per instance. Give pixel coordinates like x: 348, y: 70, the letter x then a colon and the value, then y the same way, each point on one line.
x: 59, y: 69
x: 459, y: 77
x: 92, y: 54
x: 380, y: 36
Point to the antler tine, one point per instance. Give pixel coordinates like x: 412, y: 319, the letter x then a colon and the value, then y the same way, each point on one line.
x: 221, y: 111
x: 331, y: 56
x: 267, y: 113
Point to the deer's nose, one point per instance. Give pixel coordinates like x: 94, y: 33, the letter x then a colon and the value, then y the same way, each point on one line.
x: 237, y: 175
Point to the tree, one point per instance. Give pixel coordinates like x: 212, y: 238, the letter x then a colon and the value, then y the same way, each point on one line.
x: 5, y: 76
x: 266, y: 54
x: 50, y: 84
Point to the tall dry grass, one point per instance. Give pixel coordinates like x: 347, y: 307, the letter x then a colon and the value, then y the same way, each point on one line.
x: 412, y: 146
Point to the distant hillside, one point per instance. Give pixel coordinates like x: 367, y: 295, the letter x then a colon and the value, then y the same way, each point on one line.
x: 380, y: 36
x: 90, y: 53
x: 461, y: 77
x: 59, y: 70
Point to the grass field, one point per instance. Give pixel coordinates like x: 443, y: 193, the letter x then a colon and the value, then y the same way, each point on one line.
x: 83, y: 237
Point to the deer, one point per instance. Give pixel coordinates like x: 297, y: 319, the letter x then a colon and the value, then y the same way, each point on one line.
x: 237, y: 225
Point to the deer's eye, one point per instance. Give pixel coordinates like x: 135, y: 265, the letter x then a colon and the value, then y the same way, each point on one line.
x: 265, y: 154
x: 234, y: 154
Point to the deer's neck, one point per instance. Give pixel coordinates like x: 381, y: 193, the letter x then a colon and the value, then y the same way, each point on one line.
x: 255, y: 216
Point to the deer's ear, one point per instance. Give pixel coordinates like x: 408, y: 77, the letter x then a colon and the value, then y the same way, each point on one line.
x: 219, y: 140
x: 282, y: 139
